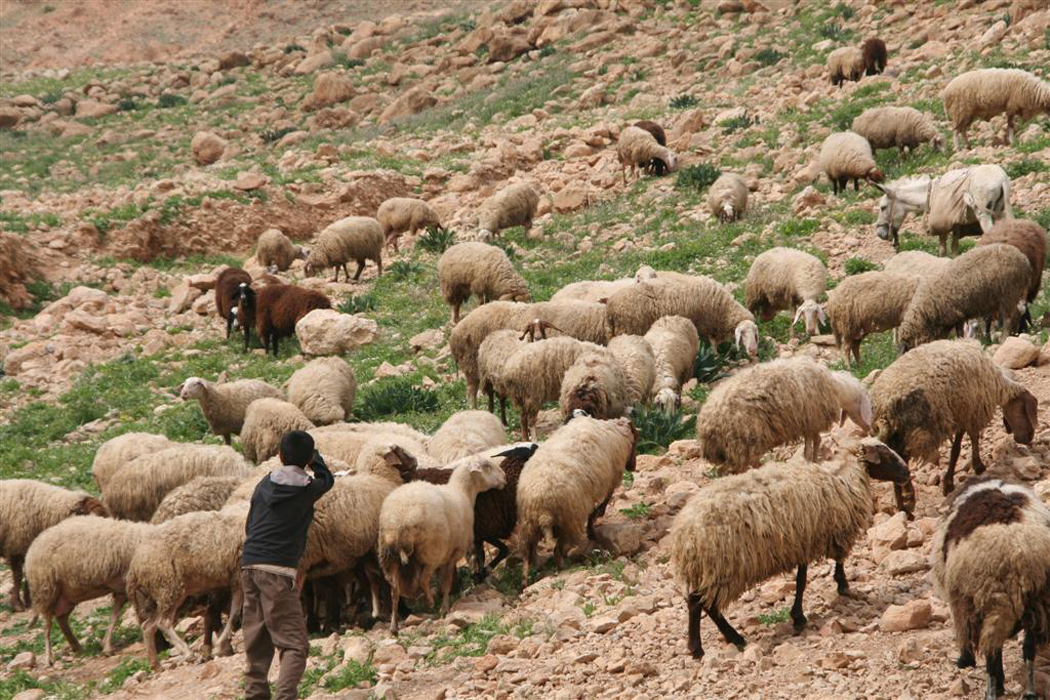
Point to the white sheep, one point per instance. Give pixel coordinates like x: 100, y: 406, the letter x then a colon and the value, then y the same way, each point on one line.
x: 324, y: 390
x: 276, y: 252
x: 493, y: 354
x: 727, y: 197
x: 466, y: 433
x: 114, y: 453
x: 871, y: 302
x: 224, y: 404
x: 199, y: 493
x: 636, y: 148
x: 265, y: 423
x: 514, y: 205
x: 478, y: 269
x: 897, y: 127
x: 845, y: 63
x: 597, y: 290
x: 635, y: 357
x: 358, y: 238
x: 674, y: 342
x: 786, y: 278
x: 400, y: 214
x: 915, y: 263
x: 989, y: 92
x: 846, y: 156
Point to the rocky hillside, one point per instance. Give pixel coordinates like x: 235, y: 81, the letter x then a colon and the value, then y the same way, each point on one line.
x: 142, y: 150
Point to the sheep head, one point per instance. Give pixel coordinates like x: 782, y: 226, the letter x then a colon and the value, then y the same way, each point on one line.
x: 400, y: 459
x: 1020, y: 416
x: 882, y: 462
x: 192, y: 388
x: 746, y: 336
x: 853, y: 400
x: 668, y: 399
x: 89, y: 505
x: 812, y: 313
x: 486, y: 474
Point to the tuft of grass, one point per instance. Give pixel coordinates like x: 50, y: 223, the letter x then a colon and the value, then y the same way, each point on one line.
x: 732, y: 124
x: 768, y: 56
x: 351, y: 675
x: 404, y: 269
x: 390, y: 397
x: 657, y: 429
x: 782, y: 615
x: 128, y: 105
x: 274, y: 135
x: 855, y: 266
x: 834, y: 31
x: 290, y: 48
x: 684, y: 101
x: 123, y: 671
x: 358, y: 303
x: 436, y: 240
x: 473, y: 640
x: 169, y: 100
x: 1025, y: 167
x: 697, y: 177
x: 638, y: 510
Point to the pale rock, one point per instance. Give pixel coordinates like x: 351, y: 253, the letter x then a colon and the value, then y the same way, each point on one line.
x: 330, y: 332
x: 232, y: 59
x: 890, y: 535
x: 430, y: 339
x: 959, y: 688
x: 486, y: 663
x: 501, y: 645
x: 9, y: 117
x: 205, y: 304
x: 329, y: 88
x: 1016, y: 353
x: 22, y: 660
x: 577, y: 150
x: 506, y: 46
x: 809, y: 198
x: 910, y: 650
x: 79, y: 296
x: 387, y: 370
x: 603, y: 624
x: 204, y: 281
x: 622, y: 539
x: 389, y: 651
x: 364, y: 48
x: 410, y: 102
x: 321, y: 59
x: 82, y: 320
x: 903, y: 561
x: 993, y: 35
x: 250, y: 181
x: 1044, y: 355
x: 207, y: 147
x: 913, y: 615
x: 933, y: 50
x: 358, y: 649
x: 593, y: 96
x: 182, y: 297
x: 31, y: 694
x: 25, y: 355
x: 570, y: 198
x: 87, y: 109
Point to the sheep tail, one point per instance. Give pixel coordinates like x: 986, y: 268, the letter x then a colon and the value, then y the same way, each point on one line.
x: 546, y: 525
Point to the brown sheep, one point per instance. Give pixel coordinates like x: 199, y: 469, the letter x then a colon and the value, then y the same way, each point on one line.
x: 874, y: 52
x: 1029, y: 238
x: 277, y: 308
x: 227, y: 293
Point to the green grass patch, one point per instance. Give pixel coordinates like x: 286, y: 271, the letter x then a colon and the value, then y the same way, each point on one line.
x: 473, y: 640
x: 697, y: 177
x: 856, y: 265
x: 657, y: 428
x: 395, y: 396
x: 637, y: 511
x: 684, y: 101
x: 1026, y: 166
x: 782, y: 615
x: 358, y: 303
x: 436, y: 240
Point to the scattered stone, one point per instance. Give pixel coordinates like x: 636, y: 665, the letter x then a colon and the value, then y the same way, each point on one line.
x: 329, y: 89
x: 31, y: 694
x: 9, y: 117
x: 430, y: 339
x: 330, y: 332
x: 250, y: 181
x: 902, y: 562
x: 413, y: 101
x: 621, y: 539
x: 1016, y: 353
x: 913, y: 615
x: 207, y: 147
x: 91, y: 109
x: 23, y: 660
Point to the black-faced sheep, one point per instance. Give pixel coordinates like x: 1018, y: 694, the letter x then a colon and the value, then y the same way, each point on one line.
x: 358, y: 238
x: 727, y: 197
x: 637, y: 147
x: 514, y: 205
x: 845, y: 63
x: 874, y: 52
x: 871, y: 302
x: 846, y: 156
x: 478, y: 269
x: 897, y: 127
x: 276, y: 252
x: 224, y: 404
x: 988, y: 92
x: 400, y: 214
x: 786, y: 278
x: 278, y: 307
x: 227, y: 292
x: 1029, y: 238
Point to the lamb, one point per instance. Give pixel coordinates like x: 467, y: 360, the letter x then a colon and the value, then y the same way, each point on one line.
x: 514, y: 205
x: 479, y: 269
x: 137, y: 489
x: 323, y: 390
x: 988, y: 92
x: 569, y: 482
x: 874, y: 51
x: 227, y: 292
x: 897, y: 127
x: 265, y: 423
x: 845, y: 63
x: 727, y: 197
x: 990, y: 562
x: 199, y: 493
x: 276, y: 252
x: 776, y: 403
x: 915, y: 263
x: 847, y: 156
x: 80, y: 559
x: 674, y: 342
x: 400, y: 214
x: 595, y: 384
x: 116, y: 452
x: 940, y: 391
x: 1029, y: 238
x: 785, y: 278
x: 277, y: 308
x: 27, y: 508
x: 740, y: 530
x: 656, y: 166
x: 984, y: 281
x: 635, y: 357
x: 425, y: 528
x: 871, y: 302
x: 637, y: 147
x: 358, y: 238
x: 493, y: 354
x: 464, y: 434
x: 224, y: 404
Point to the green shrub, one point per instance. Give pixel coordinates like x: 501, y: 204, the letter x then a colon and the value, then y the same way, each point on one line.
x: 657, y: 428
x: 50, y: 98
x: 855, y: 266
x: 638, y: 510
x: 437, y: 240
x: 351, y: 675
x: 127, y: 105
x: 168, y: 100
x: 403, y: 269
x: 1043, y: 218
x: 394, y: 396
x: 844, y: 11
x: 1026, y: 166
x: 697, y: 177
x: 293, y: 47
x: 768, y: 56
x: 547, y: 50
x: 708, y: 366
x: 732, y: 124
x: 834, y: 31
x: 684, y: 101
x: 274, y: 135
x: 358, y: 303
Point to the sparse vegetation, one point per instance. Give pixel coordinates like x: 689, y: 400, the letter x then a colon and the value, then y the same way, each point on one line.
x: 855, y: 266
x: 697, y: 177
x: 358, y: 303
x: 436, y: 240
x: 684, y: 101
x: 657, y: 428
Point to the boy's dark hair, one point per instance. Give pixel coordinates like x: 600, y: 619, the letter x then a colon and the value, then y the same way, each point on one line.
x: 297, y: 447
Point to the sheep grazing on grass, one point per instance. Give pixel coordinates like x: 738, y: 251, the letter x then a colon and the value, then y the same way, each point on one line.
x: 635, y: 357
x: 276, y: 252
x: 990, y: 563
x: 785, y: 278
x: 80, y: 559
x: 277, y: 308
x: 569, y: 482
x: 656, y: 166
x: 596, y: 290
x: 595, y: 384
x: 514, y: 205
x: 897, y: 127
x: 871, y: 302
x: 425, y: 528
x: 774, y: 403
x: 227, y: 292
x: 224, y: 404
x: 874, y: 52
x: 466, y: 433
x: 199, y: 493
x: 637, y: 147
x: 727, y: 197
x: 114, y: 453
x: 265, y: 422
x: 741, y: 530
x: 1029, y: 238
x: 941, y: 391
x: 915, y: 263
x: 846, y: 156
x: 493, y: 354
x: 27, y: 508
x: 988, y: 92
x: 400, y: 214
x: 845, y: 63
x: 674, y: 342
x: 324, y: 390
x: 478, y: 269
x: 358, y: 238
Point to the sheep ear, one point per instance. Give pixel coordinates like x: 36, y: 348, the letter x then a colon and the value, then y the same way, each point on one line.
x: 798, y: 315
x: 882, y: 188
x: 821, y: 315
x: 842, y: 419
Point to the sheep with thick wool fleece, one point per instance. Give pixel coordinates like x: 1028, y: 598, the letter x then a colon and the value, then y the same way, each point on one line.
x: 741, y: 530
x: 224, y: 404
x: 786, y: 278
x: 774, y: 403
x: 871, y: 302
x: 595, y: 384
x: 265, y: 423
x: 1029, y: 238
x: 514, y: 205
x: 466, y: 433
x: 846, y: 156
x: 635, y: 357
x: 595, y: 290
x: 478, y: 269
x: 324, y: 390
x: 276, y: 252
x: 988, y: 92
x: 845, y: 63
x: 358, y: 238
x: 375, y: 456
x: 636, y: 148
x: 915, y: 263
x: 493, y: 354
x: 568, y: 483
x: 727, y: 197
x: 400, y: 214
x: 27, y: 508
x: 199, y: 493
x: 114, y: 453
x: 897, y: 127
x: 425, y: 528
x: 674, y: 343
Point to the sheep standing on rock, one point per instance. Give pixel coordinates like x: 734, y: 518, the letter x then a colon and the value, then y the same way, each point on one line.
x: 741, y: 530
x: 276, y: 252
x: 1029, y: 238
x: 400, y: 214
x: 846, y: 156
x: 276, y: 309
x: 871, y: 302
x: 786, y: 278
x: 776, y: 403
x: 637, y: 147
x: 472, y: 268
x: 265, y: 422
x: 514, y: 205
x: 324, y: 390
x: 224, y: 404
x: 727, y: 197
x: 874, y: 51
x: 988, y: 92
x: 227, y: 292
x: 897, y: 127
x: 990, y: 563
x: 845, y: 63
x: 114, y: 453
x: 674, y: 342
x: 358, y: 238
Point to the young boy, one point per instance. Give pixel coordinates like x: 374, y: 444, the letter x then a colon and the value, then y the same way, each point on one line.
x: 281, y: 511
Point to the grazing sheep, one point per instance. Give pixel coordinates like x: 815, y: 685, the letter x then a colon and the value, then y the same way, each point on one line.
x: 990, y: 563
x: 199, y: 493
x: 479, y: 269
x: 774, y: 403
x: 988, y: 92
x: 846, y: 156
x: 845, y: 63
x: 277, y: 308
x: 265, y: 423
x: 897, y: 127
x: 874, y: 51
x: 595, y: 384
x: 358, y: 238
x: 493, y: 354
x: 80, y: 559
x: 740, y: 530
x: 227, y: 292
x: 137, y: 489
x: 464, y: 434
x: 514, y: 205
x: 915, y: 263
x: 985, y: 281
x: 635, y: 357
x: 225, y: 404
x: 727, y: 197
x: 637, y: 147
x: 674, y: 342
x: 425, y: 528
x: 596, y: 290
x: 871, y: 302
x: 785, y: 278
x: 324, y: 390
x: 116, y: 452
x: 586, y: 321
x: 1029, y: 238
x: 27, y: 508
x: 381, y: 455
x: 656, y: 166
x: 569, y: 482
x: 400, y: 214
x: 276, y: 252
x: 940, y: 391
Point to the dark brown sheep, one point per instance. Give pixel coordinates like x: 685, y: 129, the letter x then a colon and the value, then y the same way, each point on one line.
x: 874, y: 51
x: 227, y: 293
x: 1029, y: 238
x: 655, y: 166
x: 278, y: 308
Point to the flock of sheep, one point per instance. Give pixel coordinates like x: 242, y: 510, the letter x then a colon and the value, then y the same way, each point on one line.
x: 169, y: 522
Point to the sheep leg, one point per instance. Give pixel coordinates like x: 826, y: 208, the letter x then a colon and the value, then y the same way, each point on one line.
x: 955, y: 244
x: 479, y: 560
x: 492, y: 401
x: 696, y: 647
x: 840, y: 578
x: 63, y: 624
x: 49, y: 658
x: 904, y: 495
x: 373, y: 586
x: 1028, y: 653
x: 993, y: 663
x: 948, y: 485
x: 623, y: 172
x: 446, y: 585
x: 502, y: 553
x: 730, y: 634
x: 1010, y: 129
x: 798, y: 618
x: 119, y: 599
x: 427, y: 574
x: 975, y: 444
x: 455, y: 314
x: 223, y: 642
x: 524, y: 426
x: 247, y: 337
x: 503, y: 410
x: 944, y: 245
x: 395, y: 599
x: 855, y: 346
x: 14, y: 599
x: 149, y: 630
x: 595, y: 514
x: 167, y: 627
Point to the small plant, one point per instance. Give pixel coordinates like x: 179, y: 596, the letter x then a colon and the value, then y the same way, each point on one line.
x: 395, y: 396
x: 351, y: 675
x: 436, y: 240
x: 124, y: 670
x: 709, y: 366
x: 638, y: 510
x: 657, y: 429
x: 50, y: 98
x: 684, y: 101
x: 482, y: 51
x: 768, y: 56
x: 168, y: 100
x: 161, y: 293
x: 855, y: 266
x: 293, y: 47
x: 347, y: 62
x: 697, y: 177
x: 741, y: 121
x: 844, y: 11
x: 782, y: 615
x: 833, y: 31
x: 274, y: 135
x: 797, y: 227
x: 127, y: 105
x: 403, y: 269
x: 588, y: 608
x: 505, y: 246
x: 546, y: 51
x: 1026, y: 166
x: 358, y: 303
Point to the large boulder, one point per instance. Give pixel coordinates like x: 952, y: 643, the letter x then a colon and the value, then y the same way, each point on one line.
x: 507, y: 46
x: 410, y: 102
x: 232, y: 59
x: 329, y: 89
x: 364, y: 48
x: 9, y: 117
x: 207, y: 147
x: 87, y: 109
x: 1016, y: 353
x: 330, y: 332
x: 313, y: 62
